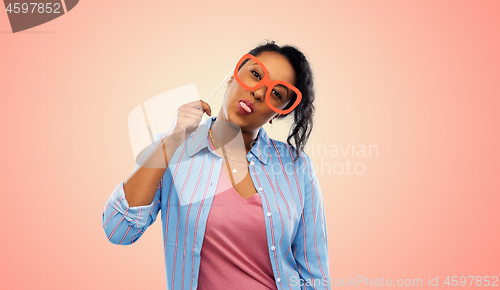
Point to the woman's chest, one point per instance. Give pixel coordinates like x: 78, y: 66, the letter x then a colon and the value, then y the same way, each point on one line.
x: 241, y: 181
x: 195, y: 182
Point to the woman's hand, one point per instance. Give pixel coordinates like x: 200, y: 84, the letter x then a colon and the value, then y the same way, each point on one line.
x: 186, y: 121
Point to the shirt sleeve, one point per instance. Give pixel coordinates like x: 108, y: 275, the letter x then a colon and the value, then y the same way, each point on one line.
x: 124, y: 225
x: 311, y: 243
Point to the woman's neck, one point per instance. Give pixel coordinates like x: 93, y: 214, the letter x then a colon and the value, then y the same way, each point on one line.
x: 228, y: 134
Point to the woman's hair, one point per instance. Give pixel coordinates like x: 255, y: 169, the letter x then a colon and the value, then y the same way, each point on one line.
x: 303, y: 113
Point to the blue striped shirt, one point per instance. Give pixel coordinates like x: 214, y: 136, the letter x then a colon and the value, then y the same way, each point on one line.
x: 291, y: 200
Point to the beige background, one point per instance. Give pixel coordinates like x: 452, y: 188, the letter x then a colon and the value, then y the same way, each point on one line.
x: 417, y: 79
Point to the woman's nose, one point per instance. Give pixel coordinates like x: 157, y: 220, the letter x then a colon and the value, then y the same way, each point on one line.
x: 259, y: 93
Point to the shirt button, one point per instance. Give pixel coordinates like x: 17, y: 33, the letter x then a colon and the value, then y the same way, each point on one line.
x: 252, y: 163
x: 272, y: 248
x: 260, y: 188
x: 278, y: 279
x: 268, y: 213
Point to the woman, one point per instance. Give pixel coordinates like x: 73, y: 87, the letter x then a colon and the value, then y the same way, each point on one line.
x: 239, y: 209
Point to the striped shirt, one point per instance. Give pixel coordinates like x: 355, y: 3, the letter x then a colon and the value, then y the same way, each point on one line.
x: 292, y: 206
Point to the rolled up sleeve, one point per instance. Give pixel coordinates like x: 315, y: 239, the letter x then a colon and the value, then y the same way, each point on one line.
x: 123, y: 224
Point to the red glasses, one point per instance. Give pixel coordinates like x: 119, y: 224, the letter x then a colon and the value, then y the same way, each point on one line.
x: 251, y: 74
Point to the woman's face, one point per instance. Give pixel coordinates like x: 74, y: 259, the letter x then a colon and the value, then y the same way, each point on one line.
x: 278, y: 68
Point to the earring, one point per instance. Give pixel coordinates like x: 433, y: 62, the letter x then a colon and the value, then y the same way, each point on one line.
x: 275, y: 117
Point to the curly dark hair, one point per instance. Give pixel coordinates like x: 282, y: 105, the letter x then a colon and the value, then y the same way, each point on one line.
x: 303, y: 113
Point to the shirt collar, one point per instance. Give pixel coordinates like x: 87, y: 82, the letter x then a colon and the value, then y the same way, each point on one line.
x: 200, y: 140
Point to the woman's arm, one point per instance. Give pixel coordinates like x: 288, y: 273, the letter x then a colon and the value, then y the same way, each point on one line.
x: 310, y: 244
x: 140, y: 187
x: 134, y: 204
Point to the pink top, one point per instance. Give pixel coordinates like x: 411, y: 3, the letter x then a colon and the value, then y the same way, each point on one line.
x: 234, y: 253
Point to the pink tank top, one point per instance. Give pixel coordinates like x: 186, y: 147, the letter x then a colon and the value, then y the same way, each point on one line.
x: 234, y: 253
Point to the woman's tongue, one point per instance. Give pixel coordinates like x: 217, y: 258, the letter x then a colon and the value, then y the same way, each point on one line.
x: 245, y: 107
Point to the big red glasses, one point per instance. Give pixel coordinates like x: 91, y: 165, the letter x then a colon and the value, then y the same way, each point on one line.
x: 251, y: 74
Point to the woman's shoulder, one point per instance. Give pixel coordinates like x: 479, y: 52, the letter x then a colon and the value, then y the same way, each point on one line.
x: 281, y: 148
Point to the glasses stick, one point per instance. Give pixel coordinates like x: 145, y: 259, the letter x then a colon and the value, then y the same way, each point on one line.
x: 219, y: 86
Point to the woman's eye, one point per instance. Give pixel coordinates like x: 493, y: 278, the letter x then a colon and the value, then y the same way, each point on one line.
x: 256, y: 74
x: 277, y: 94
